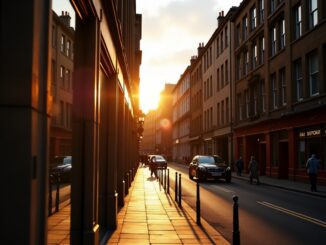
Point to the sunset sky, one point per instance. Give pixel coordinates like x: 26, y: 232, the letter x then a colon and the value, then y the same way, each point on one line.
x: 171, y: 32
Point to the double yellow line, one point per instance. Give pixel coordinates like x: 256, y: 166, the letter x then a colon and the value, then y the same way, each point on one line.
x: 295, y: 214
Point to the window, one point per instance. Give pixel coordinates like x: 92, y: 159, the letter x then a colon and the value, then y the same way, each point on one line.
x: 218, y: 114
x: 298, y: 79
x: 274, y: 90
x: 211, y: 86
x: 247, y: 98
x: 217, y: 47
x: 297, y: 22
x: 263, y: 95
x: 222, y: 46
x: 254, y: 56
x: 62, y: 113
x: 261, y: 50
x: 62, y: 76
x: 273, y: 41
x: 68, y: 48
x: 255, y: 100
x: 222, y: 113
x: 63, y: 41
x: 227, y: 110
x: 253, y: 18
x: 68, y: 79
x: 218, y: 79
x: 246, y: 60
x: 205, y: 91
x: 53, y: 72
x: 313, y: 68
x: 222, y: 76
x: 210, y: 56
x: 226, y: 72
x: 238, y: 67
x: 226, y: 36
x: 272, y: 6
x: 283, y: 86
x: 282, y: 34
x: 238, y: 35
x: 239, y: 102
x: 261, y: 11
x: 244, y: 28
x: 313, y: 13
x: 54, y: 37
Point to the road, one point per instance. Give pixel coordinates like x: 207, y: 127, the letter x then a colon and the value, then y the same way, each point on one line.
x: 267, y: 215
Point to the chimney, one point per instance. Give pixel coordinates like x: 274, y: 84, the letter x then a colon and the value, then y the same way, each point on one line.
x: 200, y: 49
x: 65, y: 18
x: 193, y: 59
x: 220, y: 18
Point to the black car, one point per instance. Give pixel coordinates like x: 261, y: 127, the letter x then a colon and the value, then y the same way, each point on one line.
x: 204, y: 167
x: 61, y: 168
x: 159, y: 161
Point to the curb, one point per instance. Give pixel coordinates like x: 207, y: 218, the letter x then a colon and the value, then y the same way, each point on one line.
x: 284, y: 187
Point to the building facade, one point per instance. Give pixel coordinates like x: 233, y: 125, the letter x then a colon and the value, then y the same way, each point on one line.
x: 196, y: 103
x: 104, y: 123
x: 279, y: 70
x: 217, y: 84
x: 181, y: 119
x: 164, y: 122
x: 148, y: 143
x: 61, y: 85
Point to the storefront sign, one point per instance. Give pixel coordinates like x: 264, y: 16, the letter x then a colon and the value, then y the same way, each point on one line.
x: 302, y: 134
x: 313, y: 132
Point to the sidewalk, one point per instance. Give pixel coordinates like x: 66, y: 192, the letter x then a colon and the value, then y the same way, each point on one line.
x: 286, y: 184
x: 150, y: 216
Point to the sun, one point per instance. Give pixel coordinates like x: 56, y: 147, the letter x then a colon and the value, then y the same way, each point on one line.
x: 149, y: 97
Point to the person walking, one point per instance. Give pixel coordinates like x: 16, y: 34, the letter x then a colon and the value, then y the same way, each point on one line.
x: 152, y: 166
x: 239, y: 165
x: 253, y: 170
x: 312, y: 166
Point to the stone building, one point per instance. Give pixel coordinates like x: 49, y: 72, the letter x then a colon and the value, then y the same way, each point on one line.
x: 181, y: 118
x: 279, y: 70
x: 62, y: 44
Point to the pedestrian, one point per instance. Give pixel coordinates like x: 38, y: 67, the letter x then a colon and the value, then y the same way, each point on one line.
x: 153, y: 167
x: 239, y: 165
x: 253, y: 170
x: 312, y: 166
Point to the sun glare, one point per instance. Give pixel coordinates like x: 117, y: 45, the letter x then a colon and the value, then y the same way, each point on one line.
x: 149, y: 98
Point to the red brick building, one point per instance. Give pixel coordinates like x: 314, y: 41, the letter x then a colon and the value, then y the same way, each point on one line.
x: 280, y: 90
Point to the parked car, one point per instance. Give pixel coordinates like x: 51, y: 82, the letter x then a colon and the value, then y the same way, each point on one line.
x: 61, y: 166
x: 159, y: 161
x: 204, y: 167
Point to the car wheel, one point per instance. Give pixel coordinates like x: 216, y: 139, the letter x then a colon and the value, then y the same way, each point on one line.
x: 190, y: 176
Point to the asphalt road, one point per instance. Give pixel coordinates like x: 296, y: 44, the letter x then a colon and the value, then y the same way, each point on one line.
x: 267, y: 215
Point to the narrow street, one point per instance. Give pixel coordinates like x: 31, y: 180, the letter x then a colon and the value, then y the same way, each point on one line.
x: 267, y: 215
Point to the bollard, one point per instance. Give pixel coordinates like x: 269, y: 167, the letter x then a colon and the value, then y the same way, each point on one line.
x: 176, y: 187
x: 50, y: 195
x: 57, y: 195
x: 236, y: 232
x: 165, y: 180
x: 179, y: 190
x: 127, y: 184
x: 123, y: 189
x: 168, y: 187
x: 198, y: 205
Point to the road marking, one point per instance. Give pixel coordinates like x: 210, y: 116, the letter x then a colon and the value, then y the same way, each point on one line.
x: 223, y: 189
x: 295, y: 214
